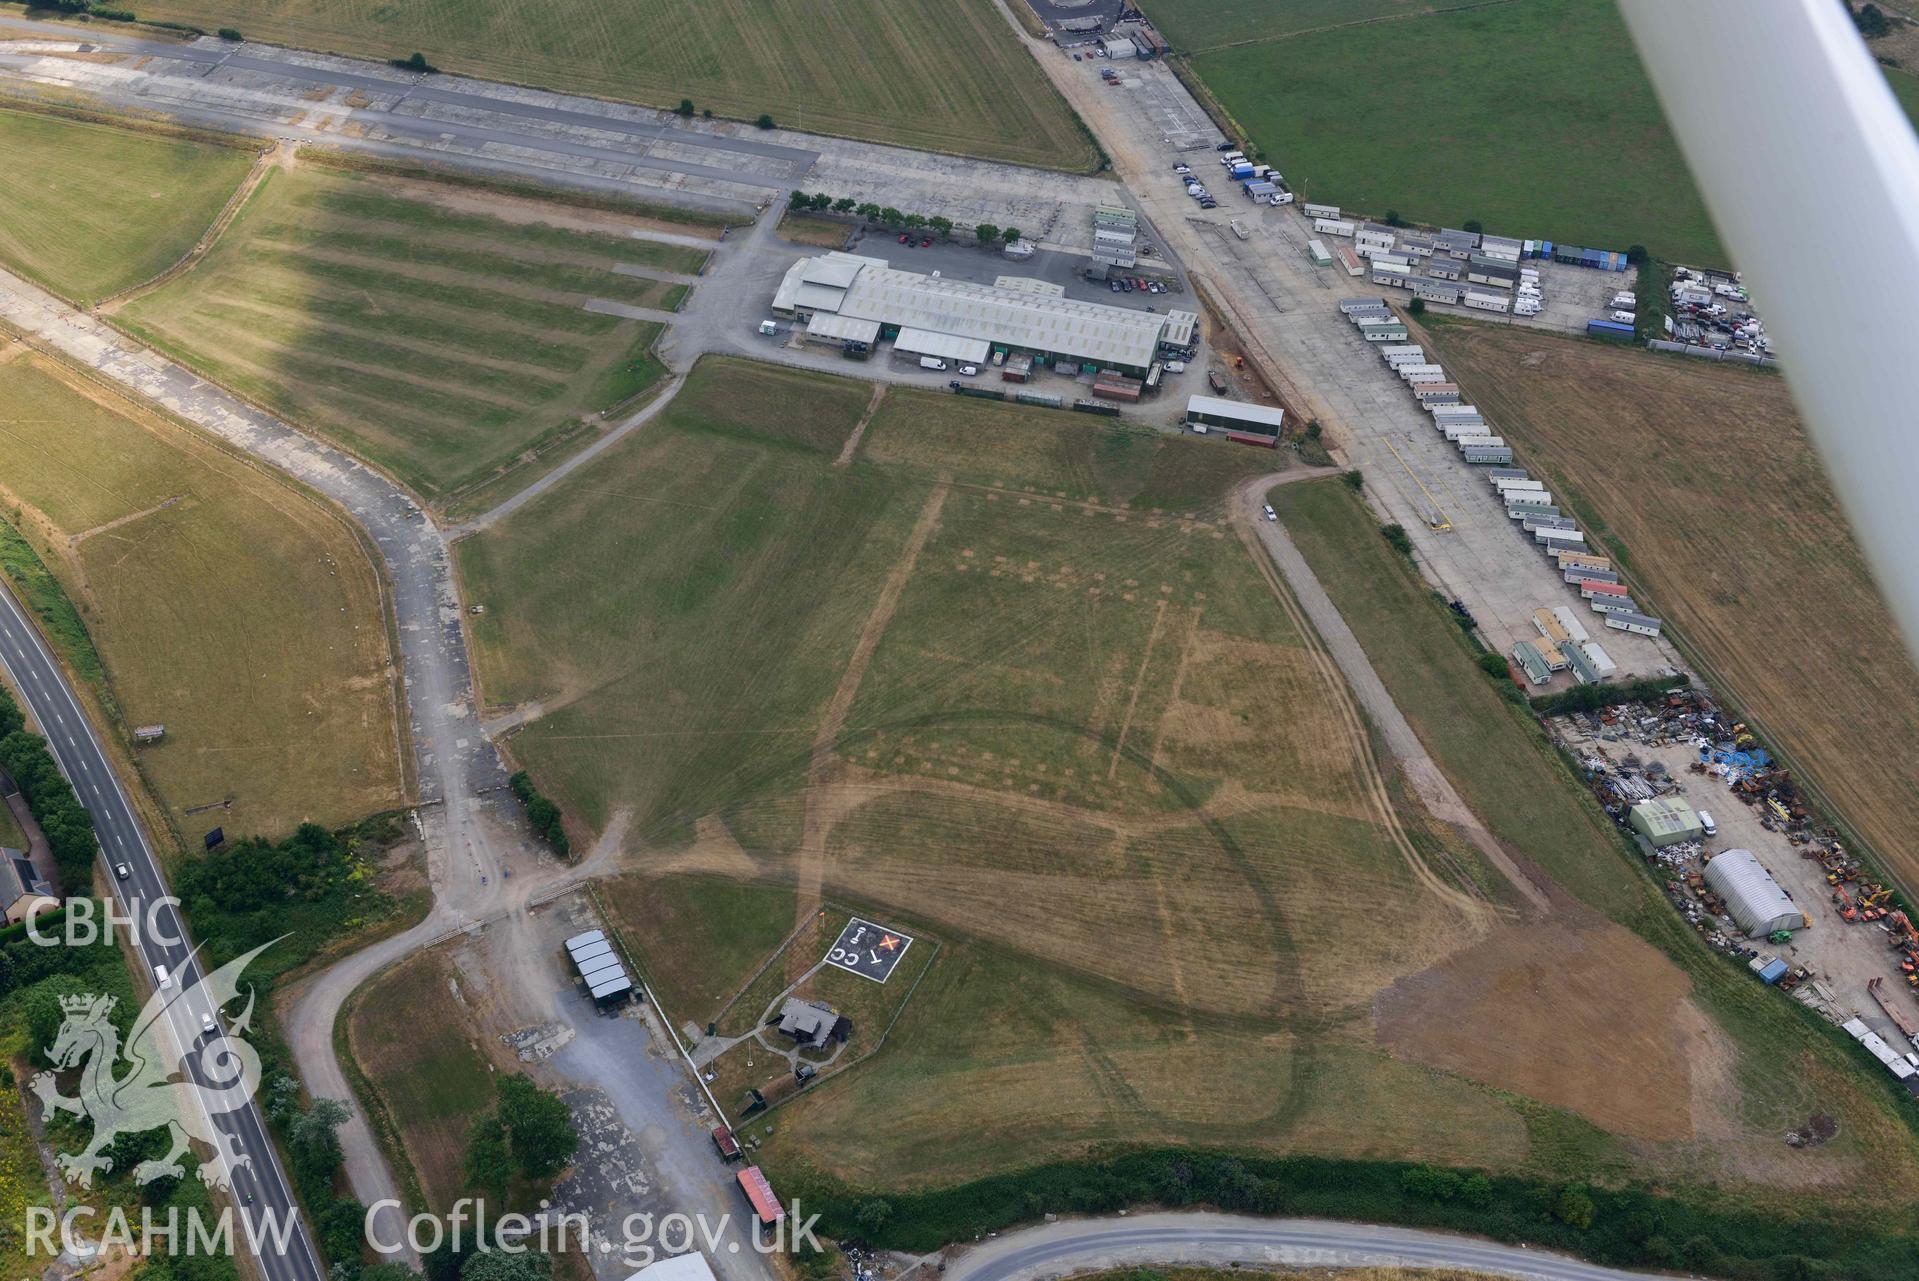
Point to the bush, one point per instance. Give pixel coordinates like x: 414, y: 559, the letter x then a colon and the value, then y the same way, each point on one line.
x: 1495, y: 666
x: 1354, y: 480
x: 1472, y: 226
x: 1396, y: 538
x: 765, y: 121
x: 116, y: 15
x: 542, y: 814
x: 231, y: 33
x: 685, y: 109
x: 1417, y: 307
x: 1590, y: 698
x: 415, y: 62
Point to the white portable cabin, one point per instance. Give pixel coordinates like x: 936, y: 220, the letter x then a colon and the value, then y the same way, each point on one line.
x: 1351, y: 305
x: 1318, y: 253
x: 1574, y: 628
x: 1599, y: 658
x: 1422, y: 374
x: 1484, y: 302
x: 1639, y: 624
x: 1332, y: 227
x: 1398, y: 356
x: 1385, y: 331
x: 1481, y: 441
x: 1570, y: 536
x: 1608, y: 606
x: 1507, y: 484
x: 1320, y: 211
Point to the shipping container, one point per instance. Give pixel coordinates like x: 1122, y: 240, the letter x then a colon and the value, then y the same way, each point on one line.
x: 1046, y: 399
x: 1320, y: 211
x: 1484, y: 302
x: 1641, y: 624
x: 1609, y: 329
x: 1094, y: 407
x: 1349, y: 260
x: 1253, y: 438
x: 1599, y: 658
x: 1317, y: 252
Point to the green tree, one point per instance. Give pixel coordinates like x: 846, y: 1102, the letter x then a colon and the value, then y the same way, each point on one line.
x: 868, y: 211
x: 942, y: 225
x: 1353, y: 480
x: 498, y: 1265
x: 915, y: 221
x: 797, y: 200
x: 1471, y: 225
x: 43, y: 1013
x: 489, y: 1165
x: 1313, y: 430
x: 316, y: 1130
x: 1009, y: 234
x: 1395, y: 536
x: 765, y: 121
x: 873, y: 1216
x: 1574, y: 1208
x: 986, y: 232
x: 1496, y: 667
x: 1417, y: 307
x: 540, y: 1131
x: 685, y: 109
x: 890, y: 216
x: 844, y: 204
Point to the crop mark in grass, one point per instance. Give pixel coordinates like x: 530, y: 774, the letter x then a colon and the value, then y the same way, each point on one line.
x: 852, y: 445
x: 812, y: 866
x: 1179, y: 681
x: 1132, y: 701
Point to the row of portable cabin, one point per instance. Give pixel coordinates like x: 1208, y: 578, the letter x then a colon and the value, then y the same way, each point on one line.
x: 1531, y: 504
x: 1436, y: 394
x: 599, y: 967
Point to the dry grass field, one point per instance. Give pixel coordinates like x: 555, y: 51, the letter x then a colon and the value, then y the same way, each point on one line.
x: 412, y: 1036
x: 1705, y: 480
x: 1011, y: 680
x: 335, y: 297
x: 225, y: 603
x: 941, y: 76
x: 89, y: 210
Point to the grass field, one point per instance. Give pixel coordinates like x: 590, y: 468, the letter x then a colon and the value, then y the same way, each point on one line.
x: 1012, y: 680
x: 947, y: 76
x: 335, y: 297
x: 89, y: 210
x: 1749, y: 1065
x: 1197, y: 25
x: 1704, y: 478
x: 1536, y: 119
x: 410, y: 1036
x: 223, y: 603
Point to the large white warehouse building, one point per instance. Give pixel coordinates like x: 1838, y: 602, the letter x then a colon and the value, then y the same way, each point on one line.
x: 1752, y: 896
x: 844, y: 298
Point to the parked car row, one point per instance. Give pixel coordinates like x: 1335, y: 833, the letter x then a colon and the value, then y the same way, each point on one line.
x: 1127, y: 284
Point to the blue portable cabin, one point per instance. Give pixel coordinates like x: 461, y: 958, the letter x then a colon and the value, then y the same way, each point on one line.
x: 1609, y: 329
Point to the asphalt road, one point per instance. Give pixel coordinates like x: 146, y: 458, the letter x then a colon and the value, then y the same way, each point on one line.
x: 259, y: 1184
x: 1220, y: 1240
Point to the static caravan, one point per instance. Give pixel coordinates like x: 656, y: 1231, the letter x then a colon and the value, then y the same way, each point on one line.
x: 1641, y: 624
x: 1484, y: 302
x: 1321, y: 211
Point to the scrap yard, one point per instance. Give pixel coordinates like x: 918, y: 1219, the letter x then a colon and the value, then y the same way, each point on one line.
x: 1751, y: 863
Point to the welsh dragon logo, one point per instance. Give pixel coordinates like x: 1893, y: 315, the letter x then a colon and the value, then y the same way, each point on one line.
x: 218, y: 1073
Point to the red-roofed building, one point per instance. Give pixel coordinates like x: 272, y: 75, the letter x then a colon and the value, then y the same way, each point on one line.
x: 759, y: 1194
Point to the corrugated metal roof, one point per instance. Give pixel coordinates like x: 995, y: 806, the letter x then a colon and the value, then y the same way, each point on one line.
x: 1092, y: 331
x: 826, y: 324
x: 925, y: 342
x: 1180, y: 326
x: 1752, y: 896
x: 1235, y: 409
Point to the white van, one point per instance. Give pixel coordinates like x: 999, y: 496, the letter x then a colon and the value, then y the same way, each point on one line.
x: 1707, y: 825
x: 161, y: 976
x: 932, y: 362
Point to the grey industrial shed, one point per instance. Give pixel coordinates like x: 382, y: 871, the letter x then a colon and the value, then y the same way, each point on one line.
x: 1752, y: 896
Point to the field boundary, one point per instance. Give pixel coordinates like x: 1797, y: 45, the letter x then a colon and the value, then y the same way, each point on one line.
x: 263, y: 164
x: 1376, y: 20
x: 407, y: 766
